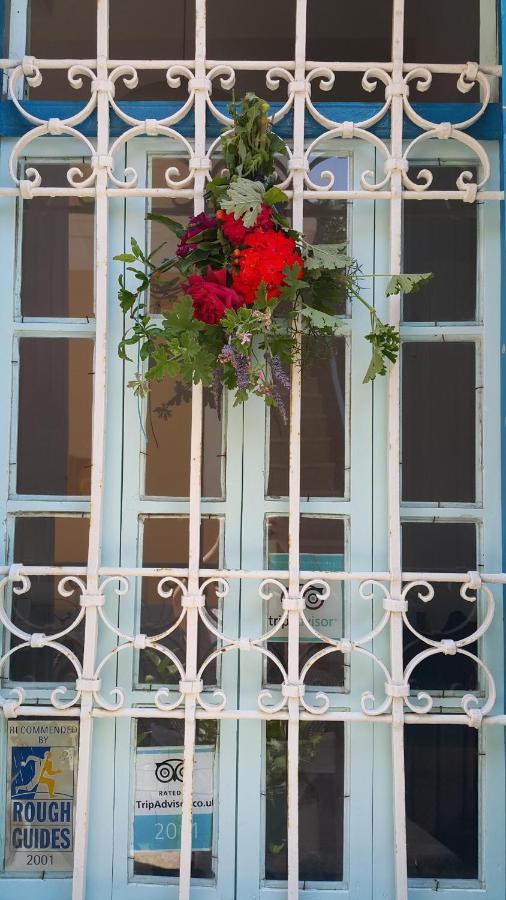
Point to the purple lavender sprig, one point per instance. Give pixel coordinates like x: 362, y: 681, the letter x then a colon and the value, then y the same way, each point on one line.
x: 279, y: 374
x: 241, y: 364
x: 279, y: 402
x: 217, y: 390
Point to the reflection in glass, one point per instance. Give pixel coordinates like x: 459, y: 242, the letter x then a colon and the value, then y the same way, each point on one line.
x: 168, y: 428
x: 321, y: 549
x: 323, y: 417
x: 438, y: 422
x: 48, y: 541
x: 166, y: 32
x: 234, y: 34
x: 321, y: 801
x: 58, y: 241
x: 54, y: 424
x: 441, y: 237
x: 62, y: 29
x: 165, y: 544
x: 455, y: 40
x: 440, y: 547
x: 442, y: 801
x: 157, y: 839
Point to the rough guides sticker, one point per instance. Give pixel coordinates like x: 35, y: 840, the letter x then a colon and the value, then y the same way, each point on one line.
x: 41, y: 775
x: 158, y: 803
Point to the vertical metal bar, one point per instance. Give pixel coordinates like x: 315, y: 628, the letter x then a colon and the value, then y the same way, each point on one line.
x: 98, y: 445
x: 294, y: 480
x: 394, y: 527
x: 195, y: 492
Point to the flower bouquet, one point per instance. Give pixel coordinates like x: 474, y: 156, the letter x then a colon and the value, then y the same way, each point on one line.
x: 255, y: 297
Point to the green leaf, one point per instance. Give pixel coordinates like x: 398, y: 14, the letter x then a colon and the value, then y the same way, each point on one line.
x: 136, y: 250
x: 274, y: 195
x: 320, y: 319
x: 408, y: 284
x: 328, y: 256
x: 169, y: 223
x: 244, y: 199
x: 179, y: 319
x: 125, y: 257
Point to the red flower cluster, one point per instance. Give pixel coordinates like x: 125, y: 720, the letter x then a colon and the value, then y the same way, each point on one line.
x: 265, y: 256
x: 210, y: 295
x: 260, y: 255
x: 234, y: 229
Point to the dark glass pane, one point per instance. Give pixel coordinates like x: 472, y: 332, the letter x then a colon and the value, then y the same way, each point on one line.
x: 440, y: 547
x: 168, y: 429
x: 58, y: 241
x: 438, y: 422
x: 321, y: 801
x: 323, y: 419
x: 321, y: 549
x: 456, y: 39
x: 441, y: 237
x: 326, y: 221
x: 158, y: 769
x: 442, y: 801
x: 48, y: 541
x: 359, y: 31
x: 54, y: 425
x: 233, y: 33
x: 61, y: 29
x: 167, y: 286
x: 167, y: 31
x: 165, y: 544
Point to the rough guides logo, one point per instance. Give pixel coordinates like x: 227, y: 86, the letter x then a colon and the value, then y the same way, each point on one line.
x: 42, y: 761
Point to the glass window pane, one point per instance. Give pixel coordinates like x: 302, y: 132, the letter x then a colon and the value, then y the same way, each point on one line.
x: 168, y: 428
x: 360, y: 31
x: 438, y: 422
x: 61, y: 29
x: 440, y: 547
x: 58, y: 237
x: 166, y: 288
x: 48, y: 541
x: 455, y: 40
x: 165, y: 543
x: 442, y: 801
x: 234, y: 34
x: 323, y: 420
x: 321, y: 549
x: 321, y: 801
x: 167, y: 31
x: 441, y: 237
x: 158, y: 770
x: 54, y: 425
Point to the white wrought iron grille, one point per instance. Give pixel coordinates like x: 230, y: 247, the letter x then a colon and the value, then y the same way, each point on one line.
x: 388, y: 592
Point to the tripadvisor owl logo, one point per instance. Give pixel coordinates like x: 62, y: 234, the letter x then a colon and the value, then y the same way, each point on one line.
x: 169, y: 770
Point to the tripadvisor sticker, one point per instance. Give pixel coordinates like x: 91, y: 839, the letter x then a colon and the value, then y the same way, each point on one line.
x: 41, y: 771
x: 324, y: 615
x: 159, y: 801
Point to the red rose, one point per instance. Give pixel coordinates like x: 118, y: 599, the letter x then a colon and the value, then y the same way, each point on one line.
x: 210, y: 295
x: 263, y: 260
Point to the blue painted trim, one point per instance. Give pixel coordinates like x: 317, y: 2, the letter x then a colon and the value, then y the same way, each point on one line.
x: 489, y: 127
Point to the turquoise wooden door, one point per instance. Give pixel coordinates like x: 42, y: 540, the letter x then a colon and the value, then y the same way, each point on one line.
x: 244, y: 527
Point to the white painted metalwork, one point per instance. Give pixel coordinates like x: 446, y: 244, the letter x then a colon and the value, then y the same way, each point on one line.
x: 387, y: 592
